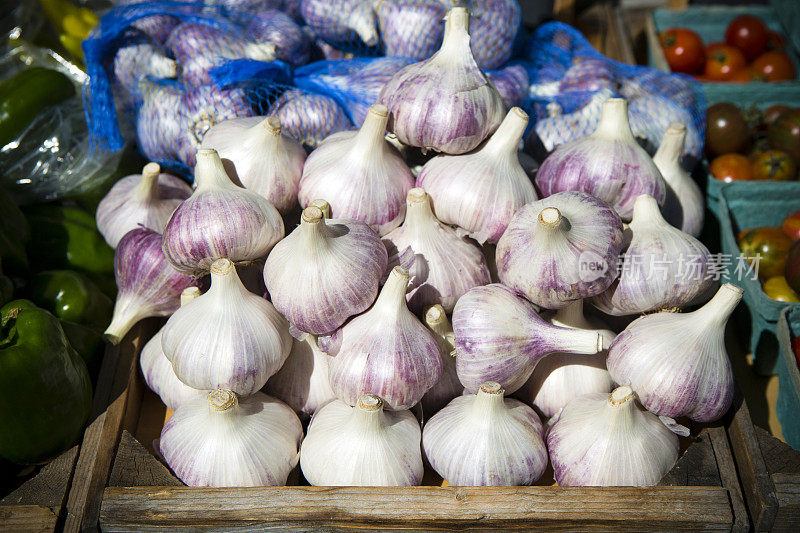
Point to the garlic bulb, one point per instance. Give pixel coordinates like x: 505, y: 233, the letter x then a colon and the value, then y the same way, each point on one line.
x: 362, y: 446
x: 256, y: 155
x: 385, y: 351
x: 480, y: 191
x: 684, y: 207
x: 485, y: 439
x: 663, y: 267
x: 360, y: 174
x: 157, y: 370
x: 448, y: 386
x: 219, y: 220
x: 411, y: 28
x: 607, y: 440
x: 309, y: 117
x: 512, y: 83
x: 146, y: 282
x: 608, y: 164
x: 444, y: 103
x: 442, y: 265
x: 676, y: 362
x: 158, y: 121
x: 500, y: 337
x: 221, y: 440
x: 146, y: 199
x: 228, y: 338
x: 561, y: 377
x: 302, y: 382
x: 560, y: 249
x: 341, y: 21
x: 325, y: 271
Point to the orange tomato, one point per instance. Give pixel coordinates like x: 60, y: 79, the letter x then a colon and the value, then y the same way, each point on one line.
x: 731, y: 167
x: 722, y: 61
x: 775, y: 66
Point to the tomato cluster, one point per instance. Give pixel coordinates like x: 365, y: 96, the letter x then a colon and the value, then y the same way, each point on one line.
x: 779, y: 257
x: 750, y: 52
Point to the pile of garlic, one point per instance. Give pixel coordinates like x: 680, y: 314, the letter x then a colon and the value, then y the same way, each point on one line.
x: 346, y: 318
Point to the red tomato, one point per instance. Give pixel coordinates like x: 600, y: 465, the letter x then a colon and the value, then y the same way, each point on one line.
x: 746, y: 75
x: 772, y: 113
x: 775, y: 66
x: 775, y: 41
x: 683, y: 49
x: 731, y: 167
x: 749, y: 34
x: 722, y: 61
x: 791, y: 226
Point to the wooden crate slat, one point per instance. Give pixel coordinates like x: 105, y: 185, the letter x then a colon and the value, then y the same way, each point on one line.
x: 729, y: 477
x: 696, y: 467
x: 28, y: 518
x: 134, y: 466
x: 49, y: 487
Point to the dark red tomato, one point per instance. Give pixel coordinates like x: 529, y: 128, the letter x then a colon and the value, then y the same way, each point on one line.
x: 726, y: 130
x: 791, y: 226
x: 775, y: 66
x: 749, y: 34
x: 772, y: 113
x: 792, y: 271
x: 722, y: 61
x: 784, y: 134
x: 683, y: 50
x: 771, y: 244
x: 774, y: 165
x: 775, y: 41
x: 731, y: 167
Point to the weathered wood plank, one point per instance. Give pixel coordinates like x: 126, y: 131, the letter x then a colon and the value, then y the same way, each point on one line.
x: 49, y: 487
x: 697, y: 466
x: 730, y: 480
x: 27, y: 518
x: 778, y: 456
x: 134, y: 466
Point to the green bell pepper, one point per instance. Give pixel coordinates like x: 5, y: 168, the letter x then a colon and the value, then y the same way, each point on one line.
x: 71, y: 296
x: 45, y: 392
x: 14, y: 234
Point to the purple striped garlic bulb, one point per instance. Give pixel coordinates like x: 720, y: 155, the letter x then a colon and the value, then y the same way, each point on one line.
x: 228, y: 338
x: 158, y: 121
x: 385, y: 351
x: 683, y: 207
x: 412, y: 28
x: 360, y: 175
x: 608, y: 164
x: 448, y: 386
x: 480, y: 191
x: 500, y: 337
x: 341, y: 21
x: 325, y: 271
x: 257, y: 155
x: 560, y: 249
x: 494, y: 25
x: 512, y: 82
x: 444, y: 103
x: 663, y: 267
x: 219, y: 220
x: 269, y: 25
x: 561, y: 377
x: 157, y: 27
x: 609, y: 440
x: 485, y: 439
x: 137, y: 59
x: 147, y: 199
x: 225, y: 440
x: 676, y: 362
x: 442, y: 265
x: 309, y: 118
x: 146, y: 282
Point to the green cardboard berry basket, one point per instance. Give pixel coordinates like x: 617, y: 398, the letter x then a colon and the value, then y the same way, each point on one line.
x: 789, y: 377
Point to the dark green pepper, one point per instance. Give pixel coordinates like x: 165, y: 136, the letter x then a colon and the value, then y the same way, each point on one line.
x: 45, y: 392
x: 71, y: 296
x: 14, y: 234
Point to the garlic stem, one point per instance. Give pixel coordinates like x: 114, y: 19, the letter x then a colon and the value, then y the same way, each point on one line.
x: 456, y: 32
x: 550, y: 217
x: 671, y: 147
x: 393, y: 294
x: 147, y: 189
x: 224, y: 278
x: 576, y: 341
x: 323, y: 206
x: 370, y: 137
x: 572, y: 316
x: 488, y: 401
x: 367, y: 412
x: 614, y: 122
x: 312, y: 224
x: 620, y: 396
x: 127, y: 312
x: 717, y: 311
x: 271, y: 125
x: 646, y: 211
x: 222, y: 400
x: 418, y: 212
x: 509, y: 133
x: 436, y: 319
x: 209, y: 171
x: 189, y: 294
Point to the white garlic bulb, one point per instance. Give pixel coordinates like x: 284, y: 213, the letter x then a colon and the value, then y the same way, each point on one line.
x: 448, y: 386
x: 442, y: 265
x: 219, y: 220
x: 325, y: 271
x: 258, y: 156
x: 607, y: 440
x: 362, y: 446
x: 360, y: 175
x: 683, y: 207
x: 227, y: 338
x: 385, y: 351
x: 663, y: 267
x: 221, y: 440
x: 485, y: 439
x: 146, y: 199
x: 560, y: 377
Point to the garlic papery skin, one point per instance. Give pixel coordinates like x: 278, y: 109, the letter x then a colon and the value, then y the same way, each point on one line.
x: 219, y: 220
x: 608, y: 440
x: 221, y: 440
x: 500, y: 337
x: 442, y: 265
x: 385, y: 351
x: 302, y: 382
x: 146, y: 199
x: 480, y: 191
x: 683, y: 207
x: 485, y: 439
x: 228, y: 338
x: 157, y: 370
x: 560, y: 249
x: 663, y: 267
x: 146, y: 282
x: 444, y: 103
x: 676, y: 362
x: 325, y: 271
x: 608, y: 164
x: 362, y: 446
x: 561, y: 377
x: 360, y: 175
x: 448, y: 386
x: 255, y: 153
